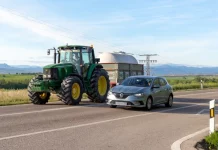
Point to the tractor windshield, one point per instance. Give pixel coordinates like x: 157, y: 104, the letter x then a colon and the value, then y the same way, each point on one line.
x: 70, y: 56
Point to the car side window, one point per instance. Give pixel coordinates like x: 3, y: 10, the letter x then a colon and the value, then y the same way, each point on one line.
x: 156, y: 82
x: 162, y: 82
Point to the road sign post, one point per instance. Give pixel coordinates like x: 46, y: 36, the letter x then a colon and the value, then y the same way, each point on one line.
x: 202, y: 85
x: 212, y: 116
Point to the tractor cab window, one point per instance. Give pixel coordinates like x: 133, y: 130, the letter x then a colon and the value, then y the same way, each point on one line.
x: 71, y: 56
x: 87, y: 57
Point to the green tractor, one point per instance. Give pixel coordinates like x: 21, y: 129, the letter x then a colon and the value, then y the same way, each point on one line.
x: 77, y: 71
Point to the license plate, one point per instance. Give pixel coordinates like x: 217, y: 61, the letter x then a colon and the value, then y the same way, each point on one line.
x: 121, y: 103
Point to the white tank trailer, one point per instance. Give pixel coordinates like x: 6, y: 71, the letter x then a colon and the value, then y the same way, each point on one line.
x: 119, y: 66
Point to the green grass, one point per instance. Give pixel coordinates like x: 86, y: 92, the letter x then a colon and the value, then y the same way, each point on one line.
x: 212, y: 140
x: 14, y: 97
x: 14, y: 81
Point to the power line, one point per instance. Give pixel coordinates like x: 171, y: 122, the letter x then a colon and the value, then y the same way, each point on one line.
x: 63, y: 29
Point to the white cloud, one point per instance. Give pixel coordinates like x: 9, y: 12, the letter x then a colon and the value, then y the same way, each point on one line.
x: 52, y: 32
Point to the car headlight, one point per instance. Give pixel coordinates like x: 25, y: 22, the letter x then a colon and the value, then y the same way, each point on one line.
x: 109, y: 93
x: 139, y: 94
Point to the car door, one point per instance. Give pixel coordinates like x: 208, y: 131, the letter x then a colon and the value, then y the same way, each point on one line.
x: 164, y: 90
x: 156, y: 91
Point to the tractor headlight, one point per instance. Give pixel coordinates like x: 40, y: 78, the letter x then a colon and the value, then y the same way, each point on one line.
x: 139, y: 94
x: 51, y: 73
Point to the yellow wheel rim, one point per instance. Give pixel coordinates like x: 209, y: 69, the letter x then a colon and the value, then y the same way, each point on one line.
x: 75, y: 91
x: 102, y: 85
x: 43, y: 95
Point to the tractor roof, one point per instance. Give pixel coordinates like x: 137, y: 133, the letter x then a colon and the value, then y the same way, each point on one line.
x: 74, y: 46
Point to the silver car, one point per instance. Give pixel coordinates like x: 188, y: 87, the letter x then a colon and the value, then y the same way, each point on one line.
x: 141, y: 91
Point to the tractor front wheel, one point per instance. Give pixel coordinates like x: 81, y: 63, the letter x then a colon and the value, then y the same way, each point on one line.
x: 71, y: 90
x: 100, y: 85
x: 37, y: 97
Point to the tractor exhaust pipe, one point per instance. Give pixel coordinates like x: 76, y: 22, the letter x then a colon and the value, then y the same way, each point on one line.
x: 48, y: 52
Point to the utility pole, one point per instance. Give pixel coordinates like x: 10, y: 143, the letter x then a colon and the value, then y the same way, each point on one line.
x: 148, y: 61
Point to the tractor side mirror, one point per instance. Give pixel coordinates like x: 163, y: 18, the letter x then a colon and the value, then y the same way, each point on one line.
x: 48, y: 52
x: 97, y: 60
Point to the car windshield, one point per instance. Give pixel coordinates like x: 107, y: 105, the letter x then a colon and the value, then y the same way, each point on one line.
x: 140, y: 82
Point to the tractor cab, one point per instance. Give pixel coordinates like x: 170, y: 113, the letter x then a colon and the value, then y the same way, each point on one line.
x: 80, y: 56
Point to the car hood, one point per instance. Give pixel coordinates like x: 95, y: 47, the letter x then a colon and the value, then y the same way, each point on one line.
x: 128, y: 89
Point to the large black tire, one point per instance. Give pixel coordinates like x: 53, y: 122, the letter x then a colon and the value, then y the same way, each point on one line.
x: 113, y: 106
x: 70, y: 85
x: 37, y: 97
x: 100, y: 85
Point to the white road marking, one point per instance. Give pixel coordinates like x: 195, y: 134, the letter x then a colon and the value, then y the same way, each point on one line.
x: 203, y: 110
x: 176, y: 144
x: 196, y: 94
x: 93, y: 123
x: 47, y: 110
x: 200, y: 112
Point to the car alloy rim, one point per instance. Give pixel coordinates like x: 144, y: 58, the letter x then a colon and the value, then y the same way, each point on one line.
x: 149, y: 103
x: 170, y: 101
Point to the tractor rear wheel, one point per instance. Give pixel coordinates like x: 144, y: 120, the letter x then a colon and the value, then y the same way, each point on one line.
x: 37, y: 97
x: 100, y: 85
x: 71, y: 90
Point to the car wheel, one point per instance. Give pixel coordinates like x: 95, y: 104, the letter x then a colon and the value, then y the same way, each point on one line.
x: 113, y: 106
x: 148, y: 104
x: 169, y: 102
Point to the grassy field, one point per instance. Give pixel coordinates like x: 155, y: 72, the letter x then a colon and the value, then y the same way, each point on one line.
x: 10, y: 81
x: 13, y: 87
x: 13, y: 97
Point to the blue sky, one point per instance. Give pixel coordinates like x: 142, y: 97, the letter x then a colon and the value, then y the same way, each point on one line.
x: 180, y: 32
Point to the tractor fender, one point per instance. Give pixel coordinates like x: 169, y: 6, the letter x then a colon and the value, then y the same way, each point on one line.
x: 91, y: 69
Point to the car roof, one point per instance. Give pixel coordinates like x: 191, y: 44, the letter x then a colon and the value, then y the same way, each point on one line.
x: 144, y: 76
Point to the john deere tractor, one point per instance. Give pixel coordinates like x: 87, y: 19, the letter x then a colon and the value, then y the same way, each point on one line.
x: 76, y: 71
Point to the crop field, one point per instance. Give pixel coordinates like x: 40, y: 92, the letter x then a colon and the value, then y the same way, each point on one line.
x: 13, y: 87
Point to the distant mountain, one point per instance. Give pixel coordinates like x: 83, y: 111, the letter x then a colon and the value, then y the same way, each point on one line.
x: 163, y: 70
x: 172, y: 69
x: 25, y: 66
x: 6, y: 69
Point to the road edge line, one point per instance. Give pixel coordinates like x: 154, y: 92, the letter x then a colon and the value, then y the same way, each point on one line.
x: 177, y: 144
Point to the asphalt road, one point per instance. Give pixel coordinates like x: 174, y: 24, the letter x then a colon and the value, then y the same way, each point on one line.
x: 97, y: 127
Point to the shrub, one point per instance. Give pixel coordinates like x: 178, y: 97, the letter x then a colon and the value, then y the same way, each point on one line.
x: 212, y: 140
